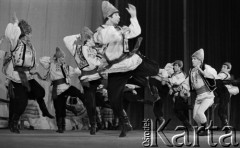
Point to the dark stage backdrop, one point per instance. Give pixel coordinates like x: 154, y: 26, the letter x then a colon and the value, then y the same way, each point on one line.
x: 175, y: 29
x: 172, y: 29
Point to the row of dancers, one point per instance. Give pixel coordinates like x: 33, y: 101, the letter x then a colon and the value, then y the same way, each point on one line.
x: 99, y: 55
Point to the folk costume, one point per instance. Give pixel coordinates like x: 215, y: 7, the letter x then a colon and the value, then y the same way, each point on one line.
x: 59, y: 74
x: 202, y: 81
x: 224, y: 92
x: 17, y: 67
x: 180, y: 103
x: 88, y: 58
x: 114, y: 40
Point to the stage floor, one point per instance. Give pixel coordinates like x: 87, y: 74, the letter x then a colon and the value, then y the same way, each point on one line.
x: 82, y: 139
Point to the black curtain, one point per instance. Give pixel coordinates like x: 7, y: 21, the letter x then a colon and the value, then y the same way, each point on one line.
x: 214, y: 25
x: 211, y: 25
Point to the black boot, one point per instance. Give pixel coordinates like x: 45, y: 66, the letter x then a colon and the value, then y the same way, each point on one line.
x: 59, y: 125
x: 93, y: 129
x: 202, y: 131
x: 160, y: 120
x: 99, y: 124
x: 187, y: 125
x: 10, y: 124
x: 226, y: 123
x: 14, y: 124
x: 63, y: 124
x: 44, y: 109
x: 125, y: 124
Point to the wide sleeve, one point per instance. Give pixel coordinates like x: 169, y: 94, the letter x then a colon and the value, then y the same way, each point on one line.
x: 45, y: 62
x: 107, y: 35
x: 210, y: 72
x: 186, y: 84
x: 73, y: 71
x: 70, y: 41
x: 177, y: 79
x: 134, y: 29
x: 13, y: 32
x: 2, y: 54
x: 222, y: 76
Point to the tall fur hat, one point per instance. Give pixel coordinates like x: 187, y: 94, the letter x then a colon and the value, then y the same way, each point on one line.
x: 199, y: 54
x: 179, y: 63
x: 228, y: 64
x: 59, y: 53
x: 108, y: 9
x: 86, y: 34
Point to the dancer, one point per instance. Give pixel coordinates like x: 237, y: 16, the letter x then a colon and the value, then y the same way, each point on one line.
x: 59, y: 74
x: 18, y: 68
x: 180, y: 102
x: 88, y: 58
x: 201, y: 79
x: 114, y: 41
x: 223, y: 93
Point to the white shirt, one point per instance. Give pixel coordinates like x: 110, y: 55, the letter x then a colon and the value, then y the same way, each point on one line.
x: 55, y: 72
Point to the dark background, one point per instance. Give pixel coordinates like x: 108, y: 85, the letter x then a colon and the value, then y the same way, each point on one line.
x: 175, y: 29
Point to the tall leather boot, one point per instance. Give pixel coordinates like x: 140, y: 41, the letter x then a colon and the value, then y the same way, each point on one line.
x: 59, y: 125
x: 10, y: 124
x: 44, y: 109
x: 125, y: 124
x: 187, y: 125
x: 226, y: 123
x: 93, y: 126
x: 203, y: 131
x: 63, y: 124
x: 14, y: 124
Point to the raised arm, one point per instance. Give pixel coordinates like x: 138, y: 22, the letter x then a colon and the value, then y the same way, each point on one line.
x: 45, y: 62
x: 13, y: 32
x: 71, y: 42
x: 134, y: 28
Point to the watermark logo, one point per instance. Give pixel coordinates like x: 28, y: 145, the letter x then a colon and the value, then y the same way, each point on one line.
x: 151, y: 136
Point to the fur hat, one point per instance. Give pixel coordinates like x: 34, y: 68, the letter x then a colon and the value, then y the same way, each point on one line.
x: 59, y: 53
x: 199, y: 54
x: 228, y: 64
x: 86, y: 34
x: 179, y: 63
x: 24, y: 27
x: 108, y: 9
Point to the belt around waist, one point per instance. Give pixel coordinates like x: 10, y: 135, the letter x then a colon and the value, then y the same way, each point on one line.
x: 59, y: 81
x: 201, y: 90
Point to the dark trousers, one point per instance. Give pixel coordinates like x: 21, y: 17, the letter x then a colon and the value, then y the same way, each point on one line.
x: 223, y: 107
x: 21, y: 95
x: 60, y: 101
x: 90, y: 96
x: 162, y: 92
x: 222, y: 97
x: 181, y: 109
x: 158, y: 108
x: 117, y: 82
x: 129, y: 97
